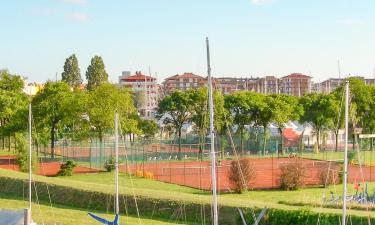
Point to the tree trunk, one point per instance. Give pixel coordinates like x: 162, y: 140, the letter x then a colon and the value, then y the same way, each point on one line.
x: 241, y: 142
x: 336, y: 140
x: 53, y: 141
x: 317, y: 140
x: 9, y: 143
x: 281, y: 141
x: 264, y: 139
x: 179, y: 143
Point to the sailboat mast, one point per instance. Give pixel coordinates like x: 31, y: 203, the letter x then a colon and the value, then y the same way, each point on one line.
x: 345, y: 153
x: 116, y: 163
x: 212, y: 137
x: 30, y: 158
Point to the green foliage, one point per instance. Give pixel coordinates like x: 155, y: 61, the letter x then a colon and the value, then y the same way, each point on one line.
x: 109, y: 164
x: 52, y: 107
x: 96, y: 74
x: 103, y: 102
x: 13, y: 104
x: 175, y: 110
x: 292, y: 176
x: 302, y: 216
x: 66, y: 169
x: 71, y: 74
x: 320, y: 110
x: 149, y: 128
x: 22, y: 154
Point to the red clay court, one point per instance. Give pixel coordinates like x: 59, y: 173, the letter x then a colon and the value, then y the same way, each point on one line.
x: 45, y: 168
x: 197, y: 174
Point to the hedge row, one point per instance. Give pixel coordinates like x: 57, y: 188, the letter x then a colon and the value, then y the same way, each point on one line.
x: 185, y: 212
x: 148, y: 208
x: 301, y: 217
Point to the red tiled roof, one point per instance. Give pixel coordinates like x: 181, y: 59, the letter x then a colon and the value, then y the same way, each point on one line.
x: 185, y: 75
x: 138, y: 77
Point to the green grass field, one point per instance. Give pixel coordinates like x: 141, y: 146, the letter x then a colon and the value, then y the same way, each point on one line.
x: 366, y: 157
x: 158, y: 190
x: 45, y: 214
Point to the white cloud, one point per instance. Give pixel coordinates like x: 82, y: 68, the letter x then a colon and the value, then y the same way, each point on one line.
x: 78, y: 17
x: 261, y: 2
x: 353, y: 22
x: 76, y: 2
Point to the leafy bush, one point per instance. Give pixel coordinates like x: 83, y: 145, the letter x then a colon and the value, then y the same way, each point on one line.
x: 66, y: 169
x: 303, y: 216
x: 352, y: 157
x: 330, y: 175
x: 240, y: 174
x: 292, y: 176
x: 109, y: 164
x: 22, y: 155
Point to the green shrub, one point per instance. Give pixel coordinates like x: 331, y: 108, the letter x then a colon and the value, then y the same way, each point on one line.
x: 302, y: 216
x: 22, y: 154
x: 66, y: 169
x: 292, y: 176
x: 109, y: 164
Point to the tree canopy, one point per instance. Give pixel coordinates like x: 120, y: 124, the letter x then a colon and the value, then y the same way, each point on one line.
x: 71, y: 74
x: 96, y: 74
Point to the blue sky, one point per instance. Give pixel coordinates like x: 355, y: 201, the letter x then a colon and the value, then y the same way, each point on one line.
x: 248, y: 37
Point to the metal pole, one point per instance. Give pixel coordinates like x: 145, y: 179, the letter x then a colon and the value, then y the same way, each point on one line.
x: 215, y: 220
x: 345, y: 153
x: 116, y: 162
x: 30, y: 157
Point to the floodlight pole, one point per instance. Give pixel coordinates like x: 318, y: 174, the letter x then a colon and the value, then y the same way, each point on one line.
x: 30, y: 158
x: 117, y: 210
x: 212, y: 137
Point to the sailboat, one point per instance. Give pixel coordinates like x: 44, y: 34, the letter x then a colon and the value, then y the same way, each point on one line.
x: 116, y: 220
x: 215, y: 219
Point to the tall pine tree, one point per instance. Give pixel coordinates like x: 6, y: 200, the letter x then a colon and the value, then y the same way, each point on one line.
x: 71, y: 74
x: 96, y: 73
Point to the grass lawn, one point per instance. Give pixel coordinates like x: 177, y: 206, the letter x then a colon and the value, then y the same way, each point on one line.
x: 5, y: 152
x: 103, y: 182
x: 367, y: 157
x: 44, y: 214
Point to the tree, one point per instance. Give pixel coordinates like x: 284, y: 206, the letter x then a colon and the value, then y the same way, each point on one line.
x: 51, y: 106
x: 149, y: 128
x: 175, y: 110
x: 96, y: 73
x: 244, y: 108
x: 200, y: 113
x: 13, y: 105
x: 102, y: 104
x: 320, y: 111
x: 71, y: 74
x: 285, y: 108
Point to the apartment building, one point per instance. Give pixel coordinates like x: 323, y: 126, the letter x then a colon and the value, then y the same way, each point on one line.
x: 144, y: 89
x: 183, y: 82
x: 295, y: 84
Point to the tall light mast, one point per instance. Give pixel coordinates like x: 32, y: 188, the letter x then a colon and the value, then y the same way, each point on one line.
x: 215, y: 219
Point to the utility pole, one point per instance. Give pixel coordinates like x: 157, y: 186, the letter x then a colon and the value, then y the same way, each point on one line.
x: 345, y: 153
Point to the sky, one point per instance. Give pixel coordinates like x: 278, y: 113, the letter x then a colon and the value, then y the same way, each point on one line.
x: 167, y: 37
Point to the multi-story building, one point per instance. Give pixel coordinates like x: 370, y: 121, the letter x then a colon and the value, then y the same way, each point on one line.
x: 329, y: 85
x: 228, y: 85
x: 295, y: 84
x: 183, y: 82
x: 144, y: 89
x: 268, y: 85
